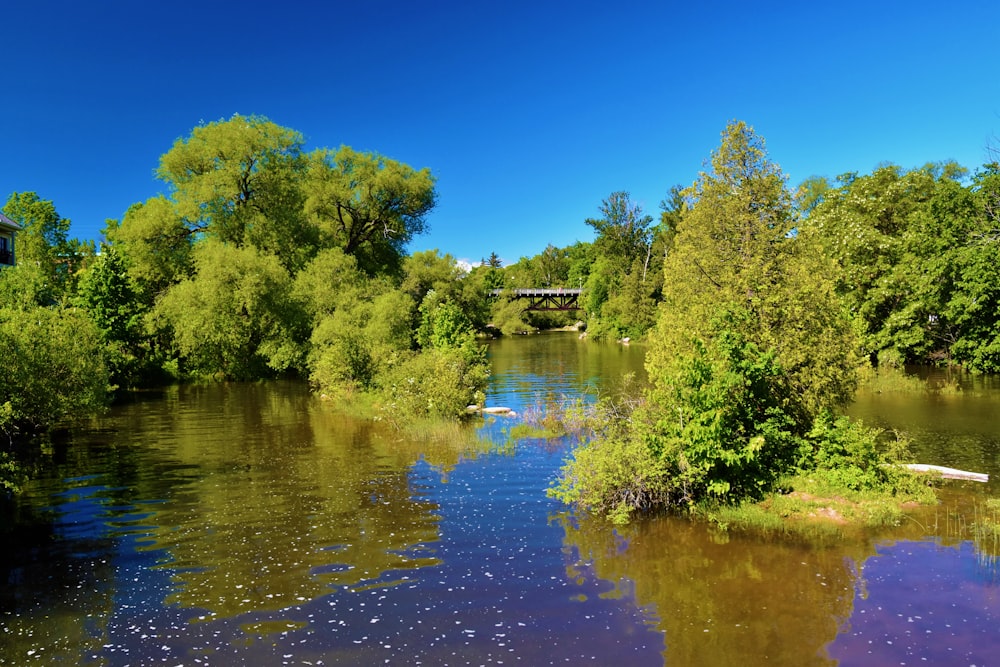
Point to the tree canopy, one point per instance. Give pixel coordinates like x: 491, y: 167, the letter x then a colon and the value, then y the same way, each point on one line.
x: 750, y: 346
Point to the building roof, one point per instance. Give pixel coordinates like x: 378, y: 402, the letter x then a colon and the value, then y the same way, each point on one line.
x: 8, y: 224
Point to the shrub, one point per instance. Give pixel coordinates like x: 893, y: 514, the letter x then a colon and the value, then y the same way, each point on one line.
x: 719, y: 428
x: 845, y: 454
x: 435, y: 383
x: 53, y: 368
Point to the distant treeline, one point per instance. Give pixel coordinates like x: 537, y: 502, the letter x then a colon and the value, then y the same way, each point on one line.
x: 916, y: 255
x: 263, y: 259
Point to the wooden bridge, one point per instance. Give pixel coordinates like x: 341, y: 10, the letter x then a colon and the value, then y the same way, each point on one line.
x: 544, y: 299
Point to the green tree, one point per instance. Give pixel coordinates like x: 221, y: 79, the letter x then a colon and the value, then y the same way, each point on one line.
x: 44, y: 248
x: 116, y: 307
x: 53, y: 369
x: 622, y: 230
x: 552, y: 267
x: 810, y: 194
x: 750, y: 346
x: 234, y: 318
x: 367, y: 204
x: 360, y: 325
x: 736, y: 252
x: 901, y: 239
x: 620, y: 294
x: 156, y: 244
x: 429, y: 270
x: 974, y: 305
x: 449, y: 373
x: 237, y: 180
x: 331, y: 281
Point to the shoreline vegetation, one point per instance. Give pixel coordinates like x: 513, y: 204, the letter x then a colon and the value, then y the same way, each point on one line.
x: 752, y: 358
x: 810, y: 503
x: 762, y: 310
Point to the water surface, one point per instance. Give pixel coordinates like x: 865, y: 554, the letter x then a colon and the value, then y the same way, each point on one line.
x: 249, y: 524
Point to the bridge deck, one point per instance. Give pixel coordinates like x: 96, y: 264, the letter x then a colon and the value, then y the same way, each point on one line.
x: 545, y: 299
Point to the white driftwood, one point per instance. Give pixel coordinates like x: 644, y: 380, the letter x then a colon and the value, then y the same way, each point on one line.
x: 948, y: 473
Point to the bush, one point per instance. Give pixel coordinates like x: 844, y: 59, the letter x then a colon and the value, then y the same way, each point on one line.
x: 615, y: 476
x: 53, y: 368
x: 435, y: 383
x: 719, y: 428
x: 845, y: 454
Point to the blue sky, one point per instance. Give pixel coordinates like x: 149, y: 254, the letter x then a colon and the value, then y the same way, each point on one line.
x: 528, y: 113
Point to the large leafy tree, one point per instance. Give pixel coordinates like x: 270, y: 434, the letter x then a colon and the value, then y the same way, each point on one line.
x: 234, y: 317
x: 750, y: 346
x: 246, y: 212
x: 235, y: 181
x: 917, y: 260
x: 736, y: 252
x: 367, y: 204
x: 974, y: 304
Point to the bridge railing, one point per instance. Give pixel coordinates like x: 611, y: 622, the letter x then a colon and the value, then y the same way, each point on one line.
x: 545, y: 299
x: 537, y: 291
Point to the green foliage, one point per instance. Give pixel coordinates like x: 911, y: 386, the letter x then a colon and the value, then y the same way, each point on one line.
x: 722, y: 426
x: 367, y: 204
x: 238, y: 181
x: 846, y: 455
x: 435, y: 383
x: 53, y: 368
x: 364, y: 338
x: 750, y: 345
x: 477, y: 296
x: 447, y: 374
x: 918, y: 258
x: 736, y: 253
x: 623, y: 233
x: 12, y: 471
x: 27, y: 285
x: 727, y: 420
x: 624, y: 281
x: 48, y: 258
x: 361, y: 325
x: 443, y: 325
x: 332, y: 280
x: 428, y: 271
x: 629, y: 309
x: 341, y: 356
x: 234, y: 319
x: 156, y: 244
x: 115, y: 305
x: 509, y: 316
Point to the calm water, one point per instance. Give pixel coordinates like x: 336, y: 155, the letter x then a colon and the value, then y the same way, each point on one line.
x: 247, y: 524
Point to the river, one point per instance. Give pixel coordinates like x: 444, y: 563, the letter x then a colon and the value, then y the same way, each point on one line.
x: 249, y: 524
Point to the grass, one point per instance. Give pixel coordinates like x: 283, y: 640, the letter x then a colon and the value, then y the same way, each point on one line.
x: 808, y: 506
x: 985, y: 527
x: 890, y: 380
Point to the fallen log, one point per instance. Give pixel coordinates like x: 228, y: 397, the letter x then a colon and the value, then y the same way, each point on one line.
x: 947, y: 473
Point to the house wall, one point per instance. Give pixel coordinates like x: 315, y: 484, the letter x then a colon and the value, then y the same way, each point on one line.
x: 6, y: 247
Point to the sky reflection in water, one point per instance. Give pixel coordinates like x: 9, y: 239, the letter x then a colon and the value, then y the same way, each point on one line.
x: 248, y: 525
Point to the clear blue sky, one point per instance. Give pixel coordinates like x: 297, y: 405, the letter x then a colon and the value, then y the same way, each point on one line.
x: 528, y: 113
